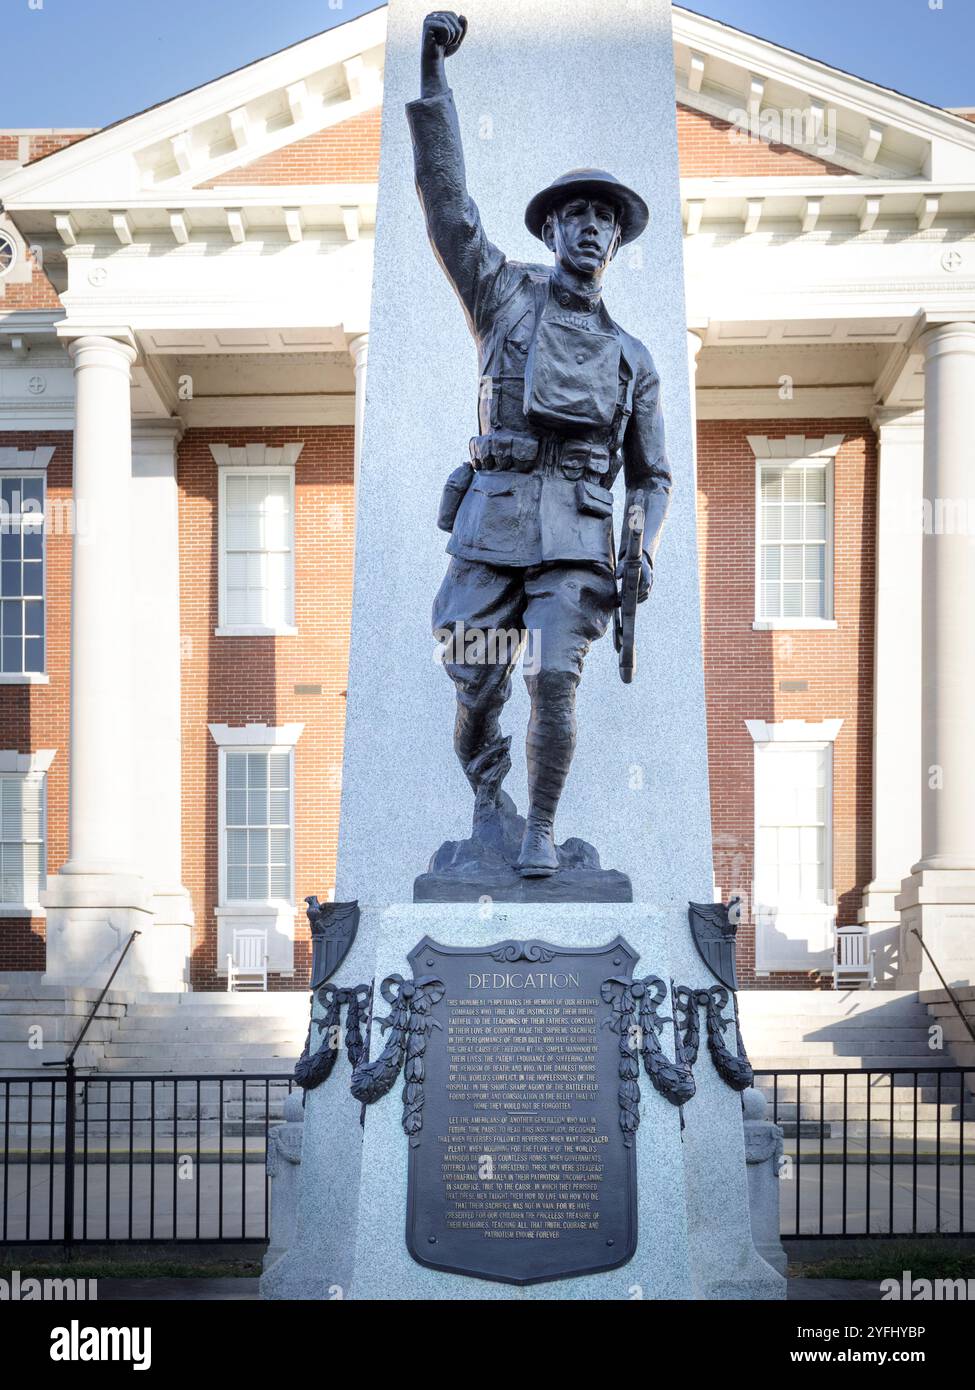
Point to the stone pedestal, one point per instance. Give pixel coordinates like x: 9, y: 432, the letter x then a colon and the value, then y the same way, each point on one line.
x: 695, y: 1238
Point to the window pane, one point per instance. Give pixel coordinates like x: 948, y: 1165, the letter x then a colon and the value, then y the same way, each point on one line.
x: 12, y: 655
x: 257, y: 882
x: 34, y: 655
x: 771, y: 601
x: 12, y: 617
x: 792, y: 484
x: 31, y: 492
x: 236, y: 807
x: 236, y: 882
x: 10, y: 580
x: 33, y: 578
x: 815, y: 484
x: 771, y: 563
x: 772, y: 523
x: 816, y: 523
x: 792, y: 523
x: 10, y: 544
x: 236, y: 847
x: 256, y: 770
x: 771, y: 484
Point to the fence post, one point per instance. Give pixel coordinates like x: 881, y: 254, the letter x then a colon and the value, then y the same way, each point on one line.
x: 763, y: 1149
x: 69, y: 1150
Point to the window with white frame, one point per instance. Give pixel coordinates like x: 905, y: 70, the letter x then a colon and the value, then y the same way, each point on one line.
x: 23, y: 850
x: 793, y: 794
x: 795, y: 539
x: 257, y: 548
x: 257, y: 825
x: 21, y: 574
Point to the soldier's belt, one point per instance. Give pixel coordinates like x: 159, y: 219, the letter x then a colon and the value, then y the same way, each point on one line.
x: 529, y: 453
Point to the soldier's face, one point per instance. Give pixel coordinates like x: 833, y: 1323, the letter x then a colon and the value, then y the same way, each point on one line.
x: 583, y: 235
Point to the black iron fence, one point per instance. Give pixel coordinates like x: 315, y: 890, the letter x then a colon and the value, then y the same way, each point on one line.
x: 874, y: 1153
x: 136, y: 1159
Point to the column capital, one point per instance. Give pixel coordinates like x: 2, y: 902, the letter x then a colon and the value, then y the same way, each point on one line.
x: 97, y: 350
x: 931, y: 324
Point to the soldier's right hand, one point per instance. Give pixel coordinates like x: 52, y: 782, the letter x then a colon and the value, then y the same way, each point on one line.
x: 443, y: 33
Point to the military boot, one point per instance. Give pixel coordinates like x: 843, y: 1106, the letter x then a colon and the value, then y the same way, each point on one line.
x: 549, y: 748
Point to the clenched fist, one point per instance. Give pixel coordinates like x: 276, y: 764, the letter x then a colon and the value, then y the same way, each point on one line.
x: 443, y: 34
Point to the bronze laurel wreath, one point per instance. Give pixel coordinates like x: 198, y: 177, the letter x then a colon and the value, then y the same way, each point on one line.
x: 408, y: 1026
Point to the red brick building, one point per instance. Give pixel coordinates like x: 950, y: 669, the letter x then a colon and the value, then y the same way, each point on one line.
x: 199, y: 276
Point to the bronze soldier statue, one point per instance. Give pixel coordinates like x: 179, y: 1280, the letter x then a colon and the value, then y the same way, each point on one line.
x: 566, y: 399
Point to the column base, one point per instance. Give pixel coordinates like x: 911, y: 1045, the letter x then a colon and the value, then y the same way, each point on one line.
x: 90, y: 917
x: 879, y: 915
x: 171, y: 940
x: 940, y: 904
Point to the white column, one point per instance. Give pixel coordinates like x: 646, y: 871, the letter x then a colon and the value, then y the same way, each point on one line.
x: 939, y: 897
x: 97, y: 898
x: 359, y: 351
x: 896, y: 804
x: 156, y: 671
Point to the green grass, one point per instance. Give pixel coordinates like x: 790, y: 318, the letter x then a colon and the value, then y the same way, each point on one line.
x: 934, y: 1260
x: 133, y: 1269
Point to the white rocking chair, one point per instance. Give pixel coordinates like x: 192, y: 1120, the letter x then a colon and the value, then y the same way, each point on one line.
x: 247, y: 963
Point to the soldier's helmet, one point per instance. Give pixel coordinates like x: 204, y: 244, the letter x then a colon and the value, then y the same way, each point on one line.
x: 634, y: 213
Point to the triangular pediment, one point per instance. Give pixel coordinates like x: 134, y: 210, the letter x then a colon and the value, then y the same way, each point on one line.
x: 204, y: 136
x: 796, y: 101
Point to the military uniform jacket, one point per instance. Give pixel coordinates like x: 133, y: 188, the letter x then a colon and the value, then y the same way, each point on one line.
x: 566, y: 396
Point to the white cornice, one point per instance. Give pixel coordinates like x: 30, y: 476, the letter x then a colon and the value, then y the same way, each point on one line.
x: 795, y: 446
x: 256, y: 735
x: 256, y: 455
x: 25, y: 763
x: 27, y: 459
x: 794, y: 731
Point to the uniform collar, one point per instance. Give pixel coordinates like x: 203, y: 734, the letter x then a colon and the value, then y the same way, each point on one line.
x: 574, y: 300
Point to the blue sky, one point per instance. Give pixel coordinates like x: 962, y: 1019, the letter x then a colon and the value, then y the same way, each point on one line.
x: 89, y: 62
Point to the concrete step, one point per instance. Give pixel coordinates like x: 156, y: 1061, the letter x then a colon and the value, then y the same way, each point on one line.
x: 258, y: 1066
x: 229, y: 1005
x: 206, y: 1027
x: 815, y: 1054
x: 53, y: 1028
x: 878, y: 1064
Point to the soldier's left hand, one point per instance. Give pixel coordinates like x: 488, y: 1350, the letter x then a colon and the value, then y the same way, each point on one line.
x: 646, y: 579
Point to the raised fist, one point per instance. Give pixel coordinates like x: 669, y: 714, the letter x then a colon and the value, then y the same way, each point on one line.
x: 443, y: 33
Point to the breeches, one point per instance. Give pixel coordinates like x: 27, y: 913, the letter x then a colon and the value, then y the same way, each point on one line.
x: 484, y: 614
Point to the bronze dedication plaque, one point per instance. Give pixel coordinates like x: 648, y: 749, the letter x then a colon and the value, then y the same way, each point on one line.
x: 520, y: 1171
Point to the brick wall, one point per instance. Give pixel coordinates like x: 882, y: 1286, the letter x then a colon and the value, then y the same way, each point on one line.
x: 743, y: 668
x: 238, y: 680
x: 705, y: 147
x: 344, y: 153
x: 36, y: 716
